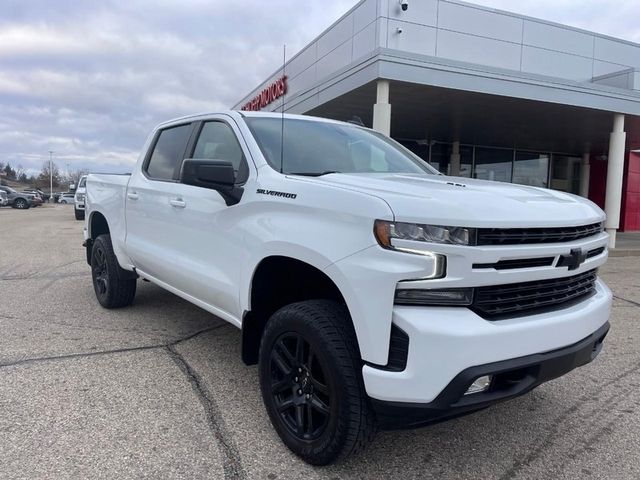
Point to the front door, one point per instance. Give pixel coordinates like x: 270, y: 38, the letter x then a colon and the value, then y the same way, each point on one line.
x: 197, y: 247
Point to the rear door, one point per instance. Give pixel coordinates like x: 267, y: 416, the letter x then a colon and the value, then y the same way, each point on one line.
x: 151, y: 234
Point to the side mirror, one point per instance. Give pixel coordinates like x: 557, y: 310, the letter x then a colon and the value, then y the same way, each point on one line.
x: 213, y: 174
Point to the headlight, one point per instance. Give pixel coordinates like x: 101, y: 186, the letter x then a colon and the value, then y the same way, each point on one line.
x: 385, y: 232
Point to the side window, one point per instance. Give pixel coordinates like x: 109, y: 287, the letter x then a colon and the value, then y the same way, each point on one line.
x: 218, y: 142
x: 168, y: 152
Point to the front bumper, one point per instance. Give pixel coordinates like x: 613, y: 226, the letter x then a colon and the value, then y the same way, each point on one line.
x: 446, y: 341
x: 511, y: 378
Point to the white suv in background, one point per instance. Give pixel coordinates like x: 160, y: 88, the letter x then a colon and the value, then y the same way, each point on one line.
x: 67, y: 198
x: 78, y: 200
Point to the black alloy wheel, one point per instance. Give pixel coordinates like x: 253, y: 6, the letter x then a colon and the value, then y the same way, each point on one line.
x: 99, y: 271
x: 311, y: 381
x: 114, y: 287
x: 299, y: 387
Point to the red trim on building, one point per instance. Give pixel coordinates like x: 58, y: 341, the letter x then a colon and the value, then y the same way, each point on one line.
x: 269, y: 95
x: 597, y: 180
x: 630, y: 214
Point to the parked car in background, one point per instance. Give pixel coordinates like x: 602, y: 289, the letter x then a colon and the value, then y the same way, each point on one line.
x: 45, y: 196
x: 79, y: 198
x: 4, y: 201
x: 66, y: 198
x: 17, y: 199
x: 38, y: 195
x: 38, y: 192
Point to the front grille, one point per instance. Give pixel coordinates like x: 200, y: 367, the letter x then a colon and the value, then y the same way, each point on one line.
x: 527, y: 298
x: 518, y: 236
x: 517, y: 263
x: 595, y: 252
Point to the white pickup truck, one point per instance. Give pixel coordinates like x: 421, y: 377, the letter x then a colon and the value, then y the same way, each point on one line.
x: 371, y: 290
x: 78, y: 198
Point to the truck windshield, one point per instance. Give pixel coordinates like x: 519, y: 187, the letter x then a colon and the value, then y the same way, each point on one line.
x: 83, y: 182
x: 317, y: 148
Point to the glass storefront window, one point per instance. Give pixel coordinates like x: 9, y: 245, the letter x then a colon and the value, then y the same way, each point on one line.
x: 441, y: 158
x: 531, y: 168
x: 565, y: 173
x: 493, y: 164
x: 466, y: 160
x: 538, y: 169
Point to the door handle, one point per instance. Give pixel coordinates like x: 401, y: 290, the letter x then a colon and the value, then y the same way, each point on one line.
x: 177, y: 202
x: 133, y: 195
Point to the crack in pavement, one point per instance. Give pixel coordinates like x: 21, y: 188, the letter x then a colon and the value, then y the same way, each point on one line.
x: 231, y: 460
x: 626, y: 300
x: 232, y: 465
x: 96, y: 328
x: 71, y: 356
x: 33, y: 276
x: 47, y: 273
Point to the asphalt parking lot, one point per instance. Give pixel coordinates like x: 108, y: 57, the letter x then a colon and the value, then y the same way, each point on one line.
x: 158, y: 390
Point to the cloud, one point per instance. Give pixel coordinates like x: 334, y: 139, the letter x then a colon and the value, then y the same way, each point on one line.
x: 90, y: 79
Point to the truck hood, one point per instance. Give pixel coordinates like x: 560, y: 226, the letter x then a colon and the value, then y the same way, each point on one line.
x: 442, y: 200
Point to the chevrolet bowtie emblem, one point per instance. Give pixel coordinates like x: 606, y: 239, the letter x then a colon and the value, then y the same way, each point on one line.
x: 573, y: 260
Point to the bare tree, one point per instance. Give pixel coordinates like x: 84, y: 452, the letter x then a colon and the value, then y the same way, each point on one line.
x: 75, y: 175
x: 44, y: 176
x: 20, y: 174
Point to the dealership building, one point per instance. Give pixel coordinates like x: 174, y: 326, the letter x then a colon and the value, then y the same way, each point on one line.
x: 480, y: 93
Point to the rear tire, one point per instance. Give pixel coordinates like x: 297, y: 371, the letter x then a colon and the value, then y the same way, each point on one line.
x: 113, y: 285
x: 79, y: 213
x: 311, y: 382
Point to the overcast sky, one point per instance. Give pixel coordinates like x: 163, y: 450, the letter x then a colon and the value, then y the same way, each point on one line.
x: 90, y: 79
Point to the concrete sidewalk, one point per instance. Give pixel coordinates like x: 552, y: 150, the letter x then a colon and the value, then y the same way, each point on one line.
x: 627, y: 245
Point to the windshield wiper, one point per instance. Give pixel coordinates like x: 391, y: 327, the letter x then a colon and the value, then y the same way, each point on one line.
x: 312, y: 174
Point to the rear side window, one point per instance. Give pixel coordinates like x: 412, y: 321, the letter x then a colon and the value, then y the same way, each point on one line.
x: 168, y: 152
x: 218, y: 142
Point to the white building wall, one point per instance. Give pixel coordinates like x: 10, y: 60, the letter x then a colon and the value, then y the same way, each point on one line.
x: 458, y: 31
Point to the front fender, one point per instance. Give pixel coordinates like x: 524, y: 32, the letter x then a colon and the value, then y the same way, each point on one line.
x: 277, y: 249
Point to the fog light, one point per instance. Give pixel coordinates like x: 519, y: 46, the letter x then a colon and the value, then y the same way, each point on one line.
x: 481, y: 384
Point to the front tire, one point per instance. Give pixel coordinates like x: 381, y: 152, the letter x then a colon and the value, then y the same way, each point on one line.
x: 78, y: 213
x: 21, y: 204
x: 311, y: 382
x: 114, y: 286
